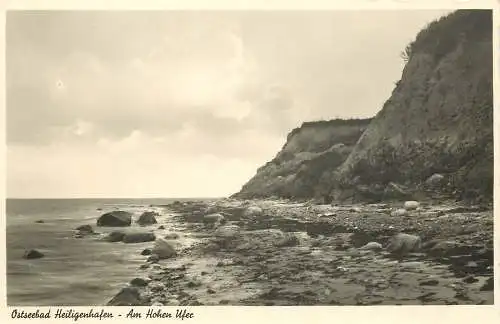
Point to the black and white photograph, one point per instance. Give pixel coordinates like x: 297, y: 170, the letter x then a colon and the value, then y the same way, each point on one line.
x: 249, y: 157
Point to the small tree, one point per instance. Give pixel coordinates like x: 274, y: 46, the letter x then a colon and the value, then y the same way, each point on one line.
x: 406, y: 54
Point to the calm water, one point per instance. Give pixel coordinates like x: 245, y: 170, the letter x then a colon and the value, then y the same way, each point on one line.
x: 74, y: 271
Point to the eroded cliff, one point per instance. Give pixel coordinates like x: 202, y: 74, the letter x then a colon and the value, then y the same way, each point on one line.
x: 309, y: 152
x: 438, y: 121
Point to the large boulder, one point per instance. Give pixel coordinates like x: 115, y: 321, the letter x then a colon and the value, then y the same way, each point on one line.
x: 163, y: 249
x: 33, y: 254
x: 116, y: 218
x: 403, y: 243
x: 148, y: 218
x: 139, y: 282
x: 128, y: 296
x: 138, y: 237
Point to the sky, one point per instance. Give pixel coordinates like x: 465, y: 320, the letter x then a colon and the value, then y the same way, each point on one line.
x: 183, y: 104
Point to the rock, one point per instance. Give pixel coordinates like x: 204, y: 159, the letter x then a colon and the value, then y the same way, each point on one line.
x: 157, y: 303
x: 470, y: 279
x: 161, y: 227
x: 373, y: 246
x: 194, y: 283
x: 435, y: 180
x: 430, y: 282
x: 33, y: 254
x: 211, y: 291
x: 153, y: 258
x: 471, y: 265
x: 411, y: 205
x: 148, y: 218
x: 194, y: 303
x: 115, y: 236
x: 146, y: 252
x: 213, y: 218
x: 40, y: 221
x: 488, y: 285
x: 210, y: 210
x: 288, y: 241
x: 225, y: 262
x: 85, y: 229
x: 172, y: 302
x: 194, y: 216
x: 327, y: 215
x: 171, y: 236
x: 128, y: 296
x: 156, y: 286
x: 252, y: 211
x: 115, y: 218
x: 139, y: 282
x: 402, y: 244
x: 227, y: 232
x: 159, y: 268
x: 163, y: 249
x: 399, y: 212
x: 224, y: 302
x: 139, y: 237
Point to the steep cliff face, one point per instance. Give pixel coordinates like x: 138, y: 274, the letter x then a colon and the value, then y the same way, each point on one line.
x: 310, y: 150
x: 438, y: 120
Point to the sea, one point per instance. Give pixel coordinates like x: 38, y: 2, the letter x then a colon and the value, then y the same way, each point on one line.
x: 74, y: 271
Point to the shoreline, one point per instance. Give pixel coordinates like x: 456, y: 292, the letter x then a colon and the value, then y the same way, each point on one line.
x: 277, y: 252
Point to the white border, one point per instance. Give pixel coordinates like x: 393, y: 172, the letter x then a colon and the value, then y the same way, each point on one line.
x: 233, y: 314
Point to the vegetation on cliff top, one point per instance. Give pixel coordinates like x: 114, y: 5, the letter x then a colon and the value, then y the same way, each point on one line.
x: 442, y: 35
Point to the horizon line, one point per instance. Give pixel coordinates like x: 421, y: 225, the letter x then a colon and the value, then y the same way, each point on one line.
x: 19, y: 198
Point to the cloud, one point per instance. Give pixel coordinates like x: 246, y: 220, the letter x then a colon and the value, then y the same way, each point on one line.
x: 202, y: 92
x: 136, y: 166
x: 186, y: 77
